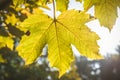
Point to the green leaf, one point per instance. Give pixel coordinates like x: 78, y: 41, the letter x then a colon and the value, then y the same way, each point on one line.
x: 62, y: 5
x: 58, y: 34
x: 106, y: 12
x: 118, y: 2
x: 89, y: 3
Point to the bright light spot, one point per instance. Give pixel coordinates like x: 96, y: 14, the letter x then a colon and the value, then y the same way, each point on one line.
x: 97, y: 66
x: 98, y: 72
x: 92, y: 73
x: 75, y: 5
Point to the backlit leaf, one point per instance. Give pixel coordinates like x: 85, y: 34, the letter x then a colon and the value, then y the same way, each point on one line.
x: 105, y: 11
x: 89, y: 3
x: 69, y: 28
x: 62, y: 5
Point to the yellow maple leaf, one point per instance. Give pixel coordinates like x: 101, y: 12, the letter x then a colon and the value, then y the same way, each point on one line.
x: 69, y: 28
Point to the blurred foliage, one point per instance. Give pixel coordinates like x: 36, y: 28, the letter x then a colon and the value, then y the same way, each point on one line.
x: 13, y: 68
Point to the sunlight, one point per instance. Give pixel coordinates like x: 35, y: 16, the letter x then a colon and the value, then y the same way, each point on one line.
x: 109, y: 39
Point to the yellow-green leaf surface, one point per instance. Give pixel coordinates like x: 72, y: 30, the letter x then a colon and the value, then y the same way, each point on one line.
x: 58, y: 34
x: 79, y: 0
x: 105, y: 11
x: 11, y: 19
x: 43, y: 3
x: 118, y: 2
x: 62, y: 5
x: 89, y: 3
x: 6, y: 41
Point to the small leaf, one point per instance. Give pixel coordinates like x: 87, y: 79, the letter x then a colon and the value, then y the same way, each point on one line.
x: 62, y: 5
x: 106, y: 12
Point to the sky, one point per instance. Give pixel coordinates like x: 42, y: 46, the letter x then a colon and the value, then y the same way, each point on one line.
x: 109, y: 40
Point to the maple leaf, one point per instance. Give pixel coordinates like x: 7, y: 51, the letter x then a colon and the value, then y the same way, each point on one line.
x: 105, y: 11
x: 69, y: 28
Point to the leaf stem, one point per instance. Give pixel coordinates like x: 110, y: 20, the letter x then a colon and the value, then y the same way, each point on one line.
x: 54, y: 10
